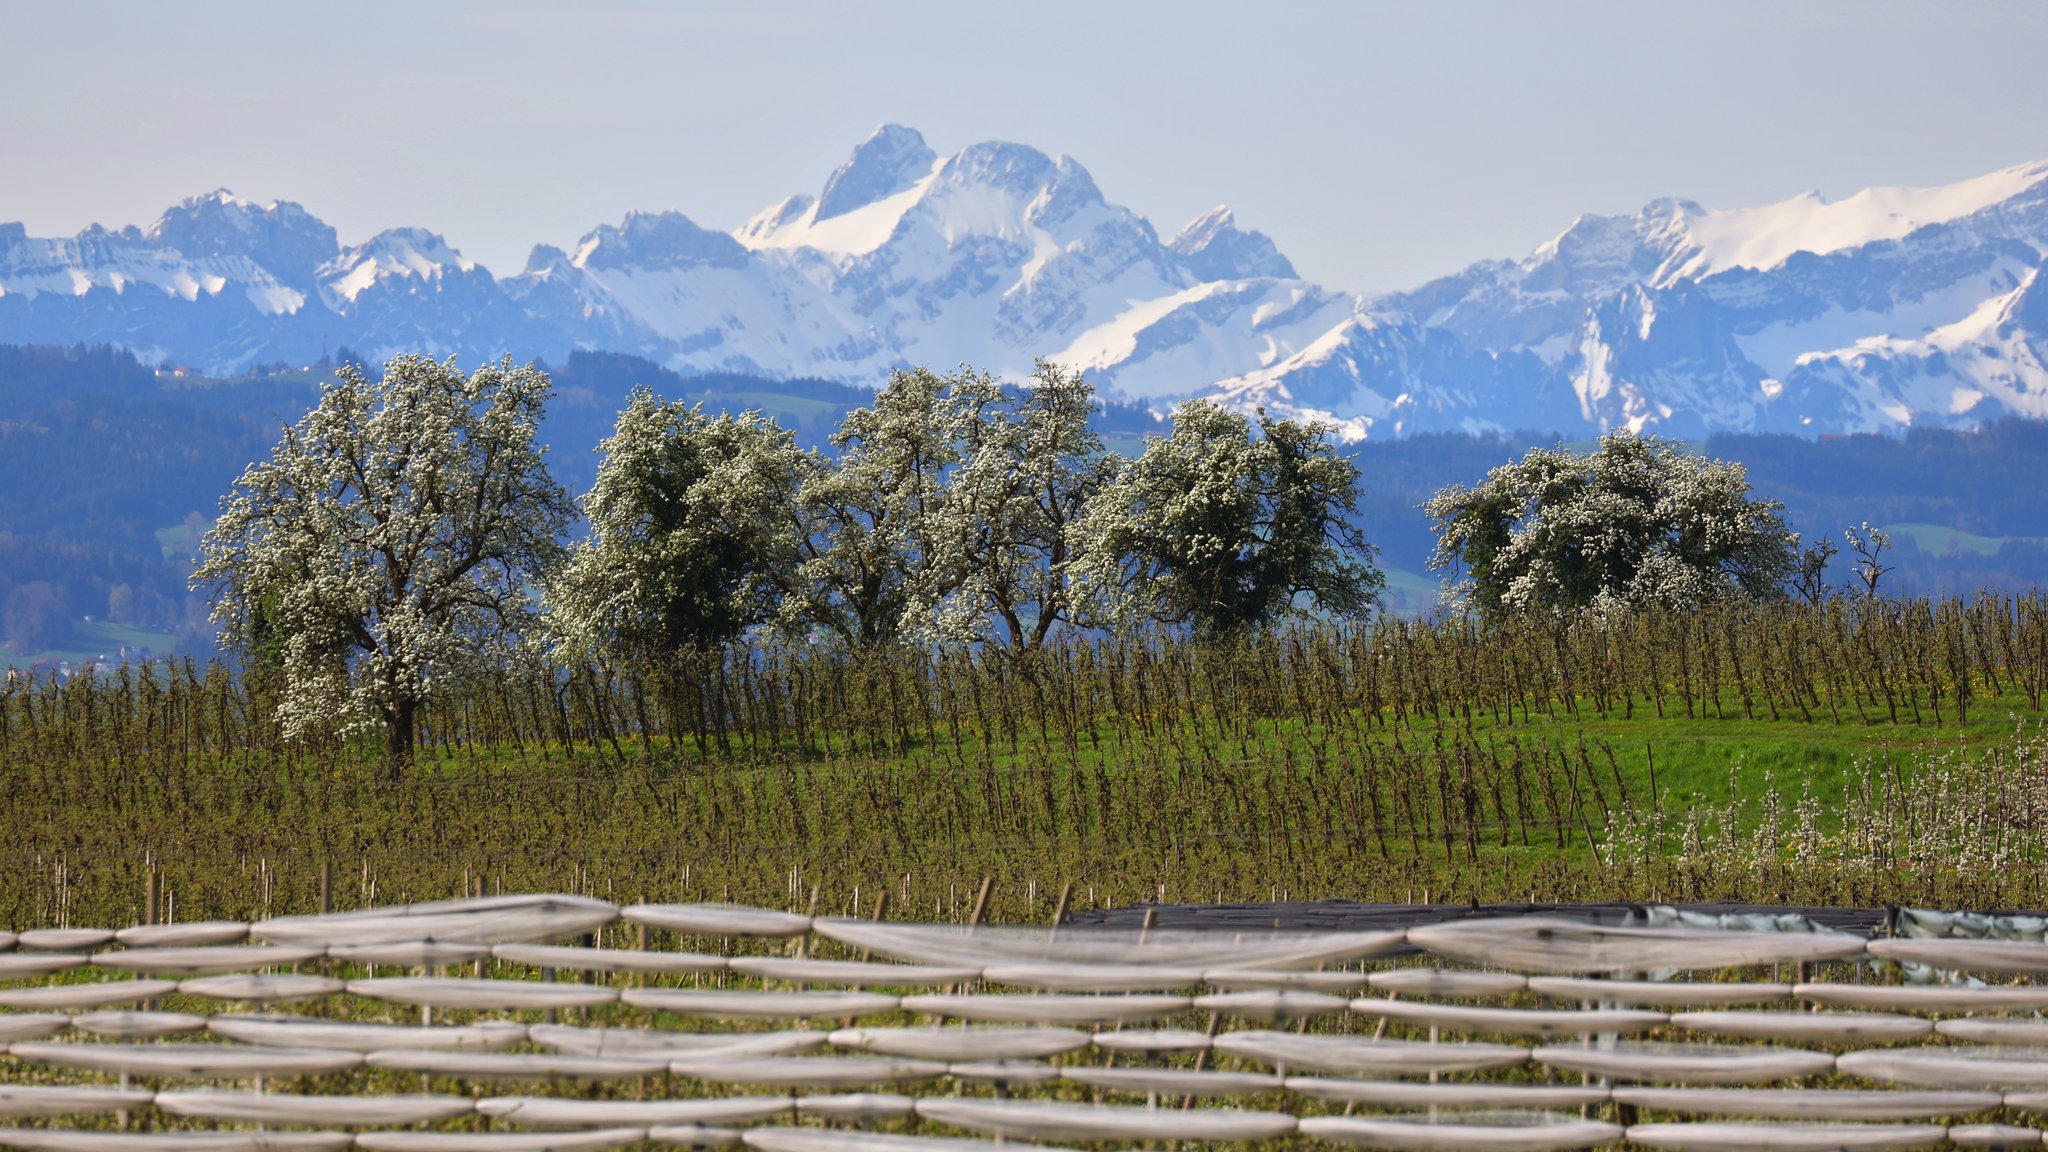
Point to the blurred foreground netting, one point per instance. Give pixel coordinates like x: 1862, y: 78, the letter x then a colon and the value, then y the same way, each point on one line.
x: 551, y: 1023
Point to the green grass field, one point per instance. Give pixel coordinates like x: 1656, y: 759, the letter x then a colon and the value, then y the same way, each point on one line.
x: 89, y: 641
x: 1777, y: 754
x: 1942, y: 540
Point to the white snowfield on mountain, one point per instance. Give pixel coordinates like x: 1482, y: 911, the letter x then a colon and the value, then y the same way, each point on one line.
x: 1872, y: 311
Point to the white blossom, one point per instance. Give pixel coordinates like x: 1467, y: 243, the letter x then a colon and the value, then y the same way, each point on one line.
x: 1636, y: 521
x: 693, y: 526
x: 388, y: 542
x: 1216, y: 526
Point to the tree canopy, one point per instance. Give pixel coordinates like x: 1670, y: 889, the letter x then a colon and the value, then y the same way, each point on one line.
x: 1218, y: 526
x: 1006, y: 534
x: 389, y: 541
x: 873, y: 563
x: 1635, y: 521
x: 691, y: 520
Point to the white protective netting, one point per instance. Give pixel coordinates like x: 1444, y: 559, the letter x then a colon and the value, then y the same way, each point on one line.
x: 1271, y: 1006
x: 263, y: 988
x: 591, y: 1140
x: 94, y: 994
x: 854, y: 973
x: 1961, y: 1066
x: 190, y: 934
x: 978, y: 1043
x: 62, y: 1140
x: 1401, y: 1095
x: 1689, y: 1063
x: 1048, y: 1008
x: 481, y: 995
x: 668, y: 1043
x: 483, y: 920
x: 138, y: 1025
x: 1786, y: 1137
x: 1512, y: 1021
x: 558, y: 1112
x: 1504, y: 1131
x: 64, y: 939
x: 516, y: 1066
x: 717, y: 1003
x: 809, y: 1071
x: 1359, y: 1054
x: 186, y: 1061
x: 544, y: 1023
x: 44, y: 1100
x: 1569, y: 947
x: 1661, y: 993
x: 1448, y: 984
x: 1806, y: 1027
x: 606, y: 959
x: 1925, y: 998
x: 827, y: 1140
x: 204, y: 960
x: 316, y: 1111
x: 1808, y: 1103
x: 1173, y: 1081
x: 351, y: 1036
x: 1054, y: 1120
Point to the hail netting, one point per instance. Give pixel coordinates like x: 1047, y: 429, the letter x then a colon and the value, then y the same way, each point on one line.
x: 525, y: 1023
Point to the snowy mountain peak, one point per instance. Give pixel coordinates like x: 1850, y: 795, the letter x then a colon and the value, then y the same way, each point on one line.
x: 400, y: 254
x: 760, y: 231
x: 993, y: 189
x: 1214, y: 248
x: 1886, y: 309
x: 544, y: 260
x: 1764, y: 238
x: 1017, y: 169
x: 279, y: 236
x: 889, y: 161
x: 658, y: 240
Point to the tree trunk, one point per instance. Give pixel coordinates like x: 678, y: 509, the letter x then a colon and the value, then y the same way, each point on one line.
x: 398, y: 735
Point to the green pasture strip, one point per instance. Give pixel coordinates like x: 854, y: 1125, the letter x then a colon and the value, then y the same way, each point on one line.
x: 1850, y: 753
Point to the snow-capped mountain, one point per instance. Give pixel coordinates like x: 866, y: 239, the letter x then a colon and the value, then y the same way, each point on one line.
x: 1882, y: 310
x: 1797, y: 316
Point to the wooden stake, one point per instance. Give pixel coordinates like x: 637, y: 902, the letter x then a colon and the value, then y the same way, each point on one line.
x: 981, y: 901
x: 1059, y: 912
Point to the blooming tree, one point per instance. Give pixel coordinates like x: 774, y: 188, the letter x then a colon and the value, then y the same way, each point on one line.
x: 1005, y: 535
x: 1222, y: 526
x: 872, y: 561
x: 388, y: 542
x: 692, y: 522
x: 1635, y: 521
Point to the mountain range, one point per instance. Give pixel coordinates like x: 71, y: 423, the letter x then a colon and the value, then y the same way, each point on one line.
x: 1890, y: 309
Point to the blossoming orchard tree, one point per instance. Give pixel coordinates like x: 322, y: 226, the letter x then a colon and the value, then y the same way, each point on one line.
x: 1004, y: 537
x: 692, y: 528
x: 873, y: 558
x: 1219, y: 528
x: 388, y: 542
x: 1636, y: 521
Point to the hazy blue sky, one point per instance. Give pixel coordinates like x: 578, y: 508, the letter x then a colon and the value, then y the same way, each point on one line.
x: 1379, y: 144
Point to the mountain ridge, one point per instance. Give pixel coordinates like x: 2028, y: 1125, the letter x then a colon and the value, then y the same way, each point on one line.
x: 1887, y: 309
